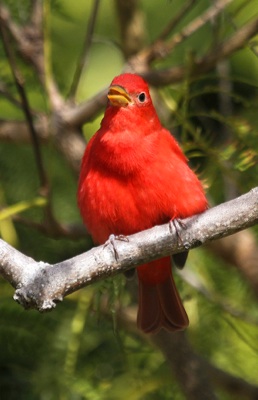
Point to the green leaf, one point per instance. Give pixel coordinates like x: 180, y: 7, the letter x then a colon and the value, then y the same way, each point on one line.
x: 22, y: 206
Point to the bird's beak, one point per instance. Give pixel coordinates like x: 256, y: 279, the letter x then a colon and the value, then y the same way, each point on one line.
x: 118, y: 96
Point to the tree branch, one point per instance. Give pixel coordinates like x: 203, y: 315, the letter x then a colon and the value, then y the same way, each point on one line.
x: 160, y: 49
x: 187, y: 366
x: 28, y: 38
x: 202, y: 65
x: 176, y: 20
x: 89, y: 109
x: 18, y: 131
x: 40, y: 285
x: 132, y: 26
x: 74, y: 116
x: 197, y: 376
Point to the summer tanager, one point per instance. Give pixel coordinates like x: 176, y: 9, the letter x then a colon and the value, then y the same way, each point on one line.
x: 134, y: 176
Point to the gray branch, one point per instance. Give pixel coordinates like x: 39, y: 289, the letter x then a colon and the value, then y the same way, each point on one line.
x: 40, y: 285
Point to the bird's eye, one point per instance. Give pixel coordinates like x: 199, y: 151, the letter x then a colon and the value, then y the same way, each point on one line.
x: 142, y: 97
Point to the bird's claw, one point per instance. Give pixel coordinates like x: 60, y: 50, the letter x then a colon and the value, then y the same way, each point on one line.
x: 178, y: 258
x: 112, y: 241
x: 178, y: 224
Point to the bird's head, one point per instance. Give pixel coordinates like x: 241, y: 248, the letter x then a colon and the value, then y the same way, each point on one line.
x: 130, y: 127
x: 129, y: 90
x: 130, y: 114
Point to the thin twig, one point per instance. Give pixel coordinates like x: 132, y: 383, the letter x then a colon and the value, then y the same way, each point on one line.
x: 19, y: 82
x: 56, y: 100
x: 89, y: 109
x: 197, y: 23
x: 175, y: 21
x: 8, y: 95
x: 160, y: 49
x: 86, y: 47
x: 204, y: 64
x: 56, y: 231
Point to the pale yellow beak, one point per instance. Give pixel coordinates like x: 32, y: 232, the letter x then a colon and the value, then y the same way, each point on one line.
x: 118, y: 96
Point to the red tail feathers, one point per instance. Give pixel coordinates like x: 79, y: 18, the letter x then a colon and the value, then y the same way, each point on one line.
x: 160, y: 305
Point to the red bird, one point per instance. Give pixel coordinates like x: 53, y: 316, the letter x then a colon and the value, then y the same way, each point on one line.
x: 134, y: 176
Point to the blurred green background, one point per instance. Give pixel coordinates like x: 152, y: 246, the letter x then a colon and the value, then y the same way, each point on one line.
x: 77, y: 351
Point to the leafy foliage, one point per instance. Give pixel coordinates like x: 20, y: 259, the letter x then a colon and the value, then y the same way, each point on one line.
x: 79, y: 351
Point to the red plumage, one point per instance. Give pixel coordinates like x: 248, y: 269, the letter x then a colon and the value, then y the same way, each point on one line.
x: 135, y: 176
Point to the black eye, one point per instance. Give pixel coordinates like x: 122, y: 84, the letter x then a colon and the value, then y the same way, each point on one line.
x: 142, y: 97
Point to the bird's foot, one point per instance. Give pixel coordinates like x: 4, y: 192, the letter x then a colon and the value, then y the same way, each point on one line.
x: 112, y: 241
x: 179, y: 258
x: 178, y: 224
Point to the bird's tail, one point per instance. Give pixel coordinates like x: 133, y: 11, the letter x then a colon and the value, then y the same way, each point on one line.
x: 160, y: 305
